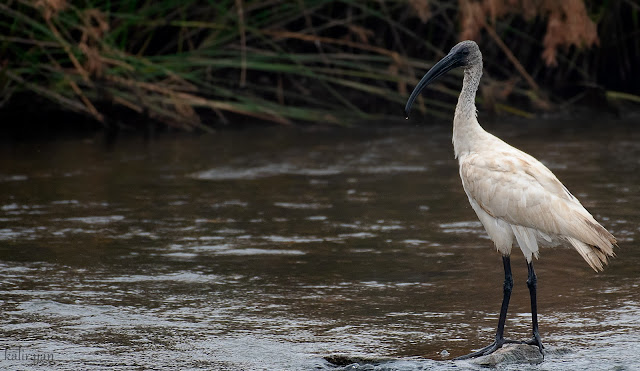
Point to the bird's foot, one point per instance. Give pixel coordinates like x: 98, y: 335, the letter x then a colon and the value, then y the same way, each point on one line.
x: 497, y: 344
x: 535, y: 340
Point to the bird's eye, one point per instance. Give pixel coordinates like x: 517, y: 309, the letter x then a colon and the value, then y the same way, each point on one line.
x: 465, y: 52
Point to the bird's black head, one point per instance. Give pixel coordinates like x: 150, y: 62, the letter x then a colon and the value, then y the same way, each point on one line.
x: 464, y: 54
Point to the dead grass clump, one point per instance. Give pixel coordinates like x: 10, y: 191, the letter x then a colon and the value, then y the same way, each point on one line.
x: 568, y: 22
x: 422, y: 8
x: 50, y: 8
x: 569, y: 25
x: 94, y: 26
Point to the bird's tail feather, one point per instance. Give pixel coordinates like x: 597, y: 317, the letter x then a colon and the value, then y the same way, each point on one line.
x: 592, y: 241
x: 595, y: 255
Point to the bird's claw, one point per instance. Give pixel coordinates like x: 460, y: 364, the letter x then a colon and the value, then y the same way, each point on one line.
x: 499, y: 343
x: 535, y: 340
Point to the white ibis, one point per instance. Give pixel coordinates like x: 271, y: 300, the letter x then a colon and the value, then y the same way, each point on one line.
x: 515, y: 196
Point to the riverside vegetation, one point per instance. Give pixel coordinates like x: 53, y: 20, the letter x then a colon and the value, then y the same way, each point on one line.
x: 194, y: 65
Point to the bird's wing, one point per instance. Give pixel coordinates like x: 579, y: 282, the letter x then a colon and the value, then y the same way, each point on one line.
x: 513, y: 186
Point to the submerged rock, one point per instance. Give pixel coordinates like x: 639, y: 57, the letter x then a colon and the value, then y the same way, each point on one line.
x: 508, y: 354
x: 511, y: 353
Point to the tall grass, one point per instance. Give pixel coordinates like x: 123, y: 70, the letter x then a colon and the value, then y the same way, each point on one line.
x: 193, y: 64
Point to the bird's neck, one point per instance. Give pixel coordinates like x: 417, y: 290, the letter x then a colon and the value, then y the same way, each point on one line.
x: 467, y: 132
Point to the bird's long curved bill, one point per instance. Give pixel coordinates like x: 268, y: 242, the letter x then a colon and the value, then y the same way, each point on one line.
x: 446, y: 64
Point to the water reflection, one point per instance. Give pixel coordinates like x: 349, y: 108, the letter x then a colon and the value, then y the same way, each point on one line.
x: 275, y: 249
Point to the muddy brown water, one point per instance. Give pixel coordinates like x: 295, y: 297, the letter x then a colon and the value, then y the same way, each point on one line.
x: 273, y: 249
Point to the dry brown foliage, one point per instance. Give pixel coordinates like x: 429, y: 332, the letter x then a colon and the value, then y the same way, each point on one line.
x: 362, y: 34
x: 422, y: 8
x: 95, y: 25
x: 568, y: 25
x: 568, y: 21
x: 50, y: 8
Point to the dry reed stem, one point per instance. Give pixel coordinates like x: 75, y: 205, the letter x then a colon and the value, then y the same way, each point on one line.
x: 280, y: 90
x: 422, y: 8
x: 76, y: 89
x: 195, y: 100
x: 132, y: 106
x: 50, y: 8
x: 221, y: 116
x: 516, y: 63
x: 95, y: 25
x: 362, y: 33
x: 66, y: 102
x: 243, y: 44
x: 471, y: 19
x: 300, y: 36
x: 67, y: 49
x: 20, y: 40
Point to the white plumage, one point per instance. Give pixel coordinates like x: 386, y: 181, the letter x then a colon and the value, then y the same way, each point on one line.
x: 516, y: 196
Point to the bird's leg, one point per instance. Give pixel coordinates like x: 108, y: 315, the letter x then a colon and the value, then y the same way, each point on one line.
x: 500, y: 340
x: 532, y: 283
x: 507, y: 287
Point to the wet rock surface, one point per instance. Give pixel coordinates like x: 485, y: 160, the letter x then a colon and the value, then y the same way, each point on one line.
x: 511, y: 353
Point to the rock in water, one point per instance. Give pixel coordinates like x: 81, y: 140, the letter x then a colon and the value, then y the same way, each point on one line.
x: 511, y: 353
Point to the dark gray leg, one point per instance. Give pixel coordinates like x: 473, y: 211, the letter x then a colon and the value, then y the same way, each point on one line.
x: 500, y: 340
x: 532, y: 283
x: 506, y: 288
